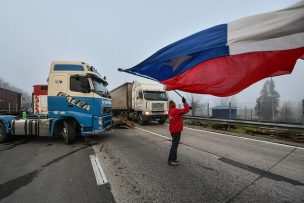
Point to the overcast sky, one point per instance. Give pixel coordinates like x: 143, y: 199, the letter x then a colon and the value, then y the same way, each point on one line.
x: 117, y: 34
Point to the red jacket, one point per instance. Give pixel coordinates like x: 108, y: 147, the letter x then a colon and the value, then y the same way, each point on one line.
x: 175, y: 118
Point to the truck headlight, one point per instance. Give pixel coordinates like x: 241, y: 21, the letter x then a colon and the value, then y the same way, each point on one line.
x: 165, y: 112
x: 100, y: 121
x: 147, y: 113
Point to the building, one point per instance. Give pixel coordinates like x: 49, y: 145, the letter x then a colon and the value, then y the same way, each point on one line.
x: 224, y: 112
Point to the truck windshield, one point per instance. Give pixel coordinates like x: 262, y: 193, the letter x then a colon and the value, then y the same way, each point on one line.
x: 154, y: 95
x: 100, y: 87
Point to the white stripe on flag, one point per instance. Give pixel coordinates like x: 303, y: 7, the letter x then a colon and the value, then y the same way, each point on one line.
x: 265, y: 26
x: 282, y: 43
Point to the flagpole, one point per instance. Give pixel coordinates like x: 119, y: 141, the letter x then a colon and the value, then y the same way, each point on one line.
x: 178, y: 93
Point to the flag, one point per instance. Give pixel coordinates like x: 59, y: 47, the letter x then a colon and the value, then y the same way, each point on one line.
x: 225, y: 59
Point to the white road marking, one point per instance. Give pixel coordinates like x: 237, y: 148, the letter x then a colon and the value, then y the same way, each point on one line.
x: 99, y: 174
x: 245, y: 138
x: 153, y: 133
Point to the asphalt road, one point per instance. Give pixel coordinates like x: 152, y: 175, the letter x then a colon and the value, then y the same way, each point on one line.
x: 46, y: 170
x: 213, y: 168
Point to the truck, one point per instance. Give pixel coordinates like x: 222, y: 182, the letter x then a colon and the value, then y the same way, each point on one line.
x: 141, y: 102
x: 39, y: 99
x: 78, y: 104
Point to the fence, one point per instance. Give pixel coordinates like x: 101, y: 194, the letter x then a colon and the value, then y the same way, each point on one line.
x: 288, y: 112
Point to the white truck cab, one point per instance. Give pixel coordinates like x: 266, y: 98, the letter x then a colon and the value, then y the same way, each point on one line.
x: 150, y: 102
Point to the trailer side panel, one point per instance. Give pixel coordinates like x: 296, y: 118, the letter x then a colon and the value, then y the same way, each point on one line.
x: 10, y: 101
x: 122, y: 98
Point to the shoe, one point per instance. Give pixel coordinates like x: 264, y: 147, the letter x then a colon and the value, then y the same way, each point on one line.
x: 173, y: 163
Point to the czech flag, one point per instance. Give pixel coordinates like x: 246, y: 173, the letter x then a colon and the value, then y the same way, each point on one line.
x: 225, y: 59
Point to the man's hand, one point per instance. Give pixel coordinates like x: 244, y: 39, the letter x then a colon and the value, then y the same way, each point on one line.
x: 183, y: 100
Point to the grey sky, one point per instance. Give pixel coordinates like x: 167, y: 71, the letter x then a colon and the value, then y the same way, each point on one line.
x: 116, y: 34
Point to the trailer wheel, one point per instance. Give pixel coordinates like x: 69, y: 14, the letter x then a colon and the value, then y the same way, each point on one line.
x: 68, y: 132
x: 140, y: 119
x: 3, y: 135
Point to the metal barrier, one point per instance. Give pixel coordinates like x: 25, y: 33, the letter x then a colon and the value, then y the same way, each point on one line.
x: 279, y: 126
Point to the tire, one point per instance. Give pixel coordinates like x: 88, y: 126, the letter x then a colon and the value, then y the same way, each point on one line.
x: 68, y: 132
x: 3, y: 136
x: 124, y: 114
x: 162, y: 121
x: 140, y: 119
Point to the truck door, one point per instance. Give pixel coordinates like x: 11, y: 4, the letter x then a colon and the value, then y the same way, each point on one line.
x: 139, y: 100
x: 81, y: 85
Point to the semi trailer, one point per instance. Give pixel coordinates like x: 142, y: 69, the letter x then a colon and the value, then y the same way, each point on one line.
x: 10, y: 101
x: 141, y: 102
x: 78, y: 103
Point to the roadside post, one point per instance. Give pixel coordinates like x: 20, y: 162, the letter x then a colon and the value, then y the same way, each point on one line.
x: 230, y: 111
x: 303, y: 111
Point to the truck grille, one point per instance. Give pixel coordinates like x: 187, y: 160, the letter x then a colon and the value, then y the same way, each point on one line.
x: 157, y: 106
x: 107, y: 121
x: 106, y: 110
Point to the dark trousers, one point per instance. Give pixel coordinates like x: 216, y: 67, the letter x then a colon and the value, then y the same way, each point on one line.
x: 174, y: 146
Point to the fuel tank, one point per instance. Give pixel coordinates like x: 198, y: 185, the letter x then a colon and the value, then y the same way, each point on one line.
x: 33, y: 127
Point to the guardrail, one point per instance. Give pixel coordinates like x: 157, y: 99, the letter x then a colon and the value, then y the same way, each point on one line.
x: 278, y: 126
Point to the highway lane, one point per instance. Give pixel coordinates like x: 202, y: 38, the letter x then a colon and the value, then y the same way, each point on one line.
x: 214, y: 167
x: 46, y: 170
x: 250, y: 151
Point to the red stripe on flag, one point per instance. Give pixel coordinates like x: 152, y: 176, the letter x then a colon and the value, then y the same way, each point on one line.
x: 226, y: 76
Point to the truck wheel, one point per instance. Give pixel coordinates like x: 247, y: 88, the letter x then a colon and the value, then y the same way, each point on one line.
x: 140, y: 119
x: 3, y: 135
x: 162, y: 121
x: 68, y: 132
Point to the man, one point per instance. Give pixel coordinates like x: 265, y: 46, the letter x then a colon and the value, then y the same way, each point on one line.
x: 175, y: 128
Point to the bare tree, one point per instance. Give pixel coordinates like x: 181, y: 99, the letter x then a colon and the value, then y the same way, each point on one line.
x: 224, y: 101
x: 285, y: 112
x: 194, y: 102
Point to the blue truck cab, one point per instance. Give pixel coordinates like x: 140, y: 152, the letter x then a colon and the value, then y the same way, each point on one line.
x: 78, y: 104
